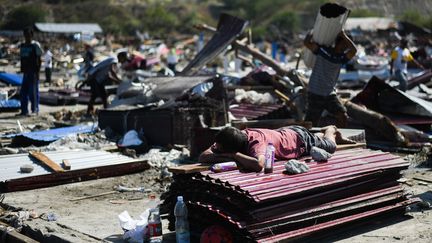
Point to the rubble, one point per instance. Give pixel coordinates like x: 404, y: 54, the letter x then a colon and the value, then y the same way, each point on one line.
x: 159, y: 120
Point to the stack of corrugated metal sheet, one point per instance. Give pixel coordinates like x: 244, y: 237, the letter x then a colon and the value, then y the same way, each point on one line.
x: 353, y: 185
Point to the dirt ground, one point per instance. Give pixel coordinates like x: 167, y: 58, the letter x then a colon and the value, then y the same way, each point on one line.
x: 96, y: 219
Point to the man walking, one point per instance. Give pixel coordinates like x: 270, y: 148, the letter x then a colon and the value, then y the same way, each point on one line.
x: 30, y: 53
x: 400, y: 56
x: 325, y: 73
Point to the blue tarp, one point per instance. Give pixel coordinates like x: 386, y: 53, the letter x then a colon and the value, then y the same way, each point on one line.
x: 56, y: 133
x: 10, y: 104
x: 10, y: 78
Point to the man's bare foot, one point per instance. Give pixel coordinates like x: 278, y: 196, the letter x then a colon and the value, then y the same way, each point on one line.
x: 342, y: 140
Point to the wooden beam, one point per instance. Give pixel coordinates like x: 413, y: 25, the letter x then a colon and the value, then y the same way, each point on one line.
x: 10, y: 235
x: 42, y: 158
x: 350, y: 146
x: 191, y: 168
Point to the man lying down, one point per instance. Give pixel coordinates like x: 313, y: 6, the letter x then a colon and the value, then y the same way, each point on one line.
x: 248, y: 147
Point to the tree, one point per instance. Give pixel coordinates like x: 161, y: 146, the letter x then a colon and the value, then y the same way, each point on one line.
x: 24, y: 16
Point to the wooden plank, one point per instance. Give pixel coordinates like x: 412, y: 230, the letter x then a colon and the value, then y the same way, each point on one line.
x: 93, y: 196
x: 66, y: 164
x: 350, y: 146
x: 423, y: 178
x: 191, y: 168
x: 42, y: 158
x: 9, y: 234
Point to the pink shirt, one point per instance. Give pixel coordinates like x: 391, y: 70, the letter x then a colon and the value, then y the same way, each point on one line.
x: 287, y: 143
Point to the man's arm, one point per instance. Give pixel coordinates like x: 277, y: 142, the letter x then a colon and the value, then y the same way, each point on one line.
x: 245, y: 161
x: 350, y: 46
x: 310, y: 44
x: 112, y: 74
x: 417, y: 63
x: 248, y: 162
x: 209, y: 157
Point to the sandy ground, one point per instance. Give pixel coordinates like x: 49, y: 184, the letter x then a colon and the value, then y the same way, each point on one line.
x: 95, y: 219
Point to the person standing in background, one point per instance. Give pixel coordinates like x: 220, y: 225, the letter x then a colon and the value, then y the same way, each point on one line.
x: 48, y: 56
x: 400, y: 56
x: 172, y: 59
x: 30, y: 54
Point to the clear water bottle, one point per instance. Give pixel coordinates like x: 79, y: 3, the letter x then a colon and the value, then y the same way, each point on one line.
x: 181, y: 223
x: 269, y: 158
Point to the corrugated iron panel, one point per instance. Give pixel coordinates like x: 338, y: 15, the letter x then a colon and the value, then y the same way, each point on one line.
x: 278, y: 206
x: 228, y: 29
x: 10, y: 164
x: 251, y: 111
x: 333, y: 223
x: 69, y: 27
x: 328, y: 24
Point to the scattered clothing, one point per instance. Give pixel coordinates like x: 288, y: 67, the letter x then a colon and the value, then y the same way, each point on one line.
x: 296, y: 167
x: 319, y: 154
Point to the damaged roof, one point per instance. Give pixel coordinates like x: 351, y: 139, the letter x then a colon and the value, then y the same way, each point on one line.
x: 80, y: 160
x: 69, y: 27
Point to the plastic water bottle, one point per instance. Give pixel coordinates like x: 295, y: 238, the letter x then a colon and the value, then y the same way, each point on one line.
x: 269, y: 158
x: 181, y: 223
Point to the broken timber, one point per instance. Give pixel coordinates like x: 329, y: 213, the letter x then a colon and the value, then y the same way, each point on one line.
x: 42, y: 158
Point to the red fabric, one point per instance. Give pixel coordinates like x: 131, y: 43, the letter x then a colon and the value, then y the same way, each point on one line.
x: 134, y: 64
x: 287, y: 143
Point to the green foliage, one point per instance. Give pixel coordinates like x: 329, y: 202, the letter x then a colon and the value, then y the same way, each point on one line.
x: 24, y: 16
x: 287, y: 21
x: 363, y: 13
x: 158, y: 20
x: 416, y: 18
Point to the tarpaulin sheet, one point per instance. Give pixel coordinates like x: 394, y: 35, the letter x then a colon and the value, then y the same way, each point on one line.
x: 9, y: 104
x: 10, y: 78
x: 52, y: 135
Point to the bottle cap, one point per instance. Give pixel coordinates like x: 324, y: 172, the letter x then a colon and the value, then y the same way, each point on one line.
x: 180, y: 199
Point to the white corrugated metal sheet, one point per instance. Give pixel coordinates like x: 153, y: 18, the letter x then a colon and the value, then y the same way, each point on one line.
x: 370, y: 23
x: 325, y: 31
x: 69, y: 28
x: 10, y: 164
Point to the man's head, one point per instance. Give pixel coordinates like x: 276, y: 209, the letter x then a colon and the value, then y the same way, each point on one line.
x: 122, y: 57
x: 28, y: 34
x: 230, y: 140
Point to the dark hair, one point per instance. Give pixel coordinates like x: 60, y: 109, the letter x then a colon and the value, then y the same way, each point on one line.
x: 28, y: 30
x: 404, y: 42
x: 231, y: 139
x: 122, y: 54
